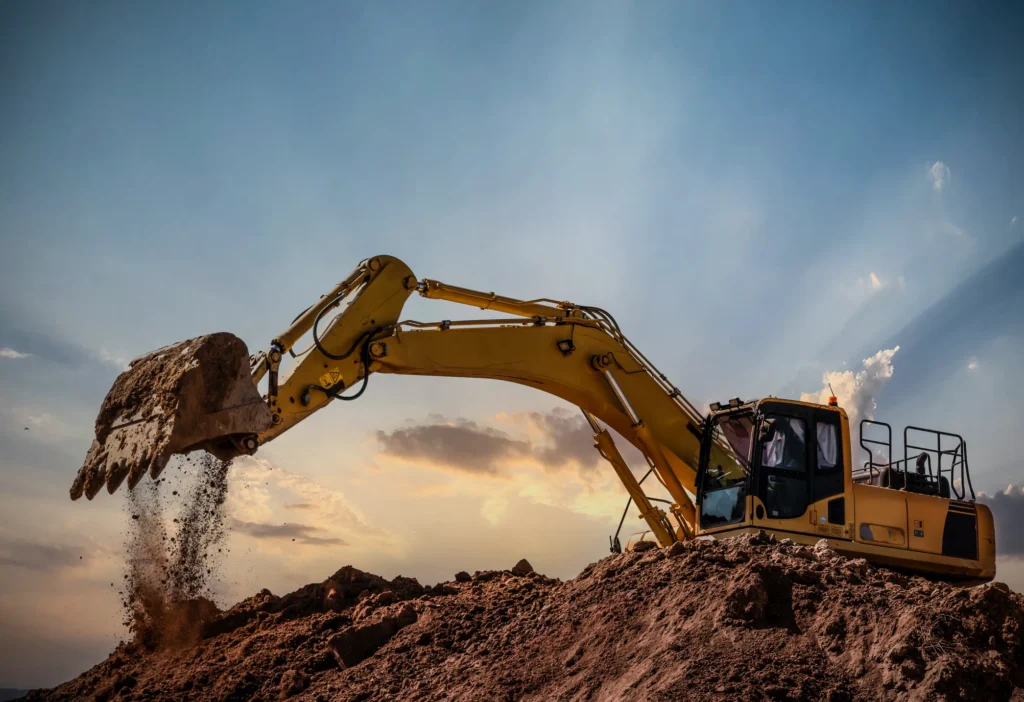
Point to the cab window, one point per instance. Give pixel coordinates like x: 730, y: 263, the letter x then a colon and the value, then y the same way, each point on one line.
x: 828, y: 446
x: 724, y: 485
x: 786, y: 445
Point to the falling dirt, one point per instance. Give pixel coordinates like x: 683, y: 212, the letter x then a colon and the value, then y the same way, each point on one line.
x: 171, y: 568
x: 749, y: 618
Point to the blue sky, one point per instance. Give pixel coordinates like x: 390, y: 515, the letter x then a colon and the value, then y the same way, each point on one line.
x: 759, y: 192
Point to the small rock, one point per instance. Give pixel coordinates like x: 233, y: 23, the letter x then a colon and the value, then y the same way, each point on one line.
x: 523, y: 567
x: 641, y: 546
x: 385, y: 598
x: 292, y: 683
x: 573, y: 656
x: 823, y: 549
x: 463, y: 577
x: 676, y: 549
x: 357, y: 643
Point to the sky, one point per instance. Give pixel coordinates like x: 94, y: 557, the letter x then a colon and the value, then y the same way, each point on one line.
x: 764, y: 194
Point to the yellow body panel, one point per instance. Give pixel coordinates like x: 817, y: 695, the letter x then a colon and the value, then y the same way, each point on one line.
x: 881, y: 515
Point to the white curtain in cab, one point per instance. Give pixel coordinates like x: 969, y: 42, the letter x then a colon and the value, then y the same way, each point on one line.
x: 828, y: 446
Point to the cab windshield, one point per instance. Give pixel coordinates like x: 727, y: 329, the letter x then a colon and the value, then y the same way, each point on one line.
x: 725, y: 479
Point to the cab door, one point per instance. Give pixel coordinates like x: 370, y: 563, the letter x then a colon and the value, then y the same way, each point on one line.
x: 831, y: 505
x: 783, y: 491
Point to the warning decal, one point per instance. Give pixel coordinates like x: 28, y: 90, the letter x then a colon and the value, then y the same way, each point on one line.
x: 330, y: 378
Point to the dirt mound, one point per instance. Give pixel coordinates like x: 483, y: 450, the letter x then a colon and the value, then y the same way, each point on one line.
x: 748, y: 618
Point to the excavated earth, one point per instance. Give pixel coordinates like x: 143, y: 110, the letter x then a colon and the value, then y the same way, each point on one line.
x: 743, y: 619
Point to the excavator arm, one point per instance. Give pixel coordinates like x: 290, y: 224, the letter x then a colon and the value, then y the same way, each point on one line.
x: 574, y: 352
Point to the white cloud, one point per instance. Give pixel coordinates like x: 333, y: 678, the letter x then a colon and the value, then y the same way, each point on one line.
x: 876, y: 282
x: 8, y: 352
x: 972, y: 364
x: 1014, y: 220
x: 856, y: 392
x: 940, y: 175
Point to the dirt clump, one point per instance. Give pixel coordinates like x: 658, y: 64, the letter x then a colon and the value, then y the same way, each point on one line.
x: 749, y: 618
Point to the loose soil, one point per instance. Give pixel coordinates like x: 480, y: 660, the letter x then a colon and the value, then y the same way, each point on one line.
x: 173, y: 557
x: 743, y: 619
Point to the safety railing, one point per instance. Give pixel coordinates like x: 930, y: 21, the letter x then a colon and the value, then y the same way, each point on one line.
x: 938, y: 469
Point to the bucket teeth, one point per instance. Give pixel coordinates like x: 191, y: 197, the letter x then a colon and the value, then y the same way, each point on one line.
x: 94, y: 481
x: 156, y: 467
x: 135, y: 474
x: 197, y: 394
x: 116, y: 473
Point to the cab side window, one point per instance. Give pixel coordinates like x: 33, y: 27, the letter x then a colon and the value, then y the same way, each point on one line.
x: 828, y: 456
x: 828, y: 445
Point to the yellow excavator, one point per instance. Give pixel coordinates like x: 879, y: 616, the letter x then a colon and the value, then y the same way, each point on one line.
x: 777, y: 465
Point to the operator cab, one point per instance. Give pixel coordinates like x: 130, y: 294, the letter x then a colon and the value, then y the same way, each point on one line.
x: 784, y: 455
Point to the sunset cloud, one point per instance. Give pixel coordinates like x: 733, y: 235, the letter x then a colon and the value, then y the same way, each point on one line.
x: 256, y: 486
x: 460, y: 444
x: 38, y: 556
x: 300, y: 533
x: 555, y: 440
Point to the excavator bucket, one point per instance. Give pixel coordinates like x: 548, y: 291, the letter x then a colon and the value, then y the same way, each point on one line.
x: 197, y: 394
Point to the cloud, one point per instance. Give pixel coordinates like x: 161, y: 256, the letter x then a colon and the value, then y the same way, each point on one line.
x: 546, y: 458
x: 939, y: 174
x: 1014, y: 220
x: 1008, y: 512
x: 493, y: 509
x: 38, y: 557
x: 856, y: 392
x: 250, y: 498
x: 876, y: 283
x: 563, y: 438
x: 460, y: 444
x: 8, y: 352
x: 555, y: 440
x: 300, y: 533
x: 972, y: 364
